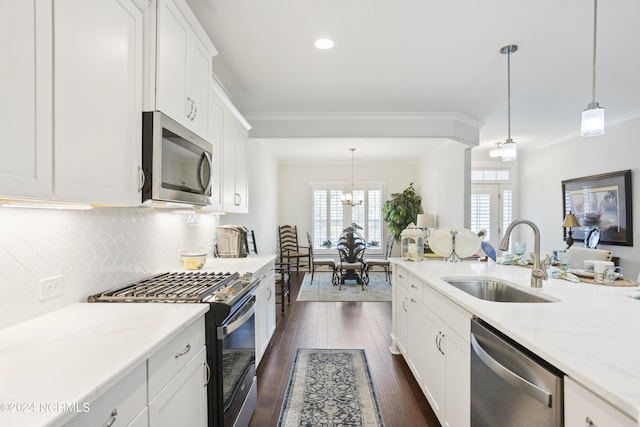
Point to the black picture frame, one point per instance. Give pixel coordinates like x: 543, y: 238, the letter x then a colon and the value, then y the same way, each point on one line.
x: 603, y: 201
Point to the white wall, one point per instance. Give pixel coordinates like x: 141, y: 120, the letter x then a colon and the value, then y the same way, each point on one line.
x: 444, y: 180
x: 295, y: 179
x: 95, y: 250
x: 263, y: 198
x: 542, y: 171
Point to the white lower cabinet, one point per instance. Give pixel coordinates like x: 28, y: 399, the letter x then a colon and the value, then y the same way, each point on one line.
x: 583, y: 408
x: 432, y: 333
x: 168, y: 389
x: 265, y: 309
x: 120, y: 405
x: 183, y: 401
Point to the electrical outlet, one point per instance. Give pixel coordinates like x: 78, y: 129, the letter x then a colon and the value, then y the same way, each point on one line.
x: 51, y: 287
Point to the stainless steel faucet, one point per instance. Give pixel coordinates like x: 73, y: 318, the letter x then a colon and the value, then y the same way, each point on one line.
x: 539, y: 272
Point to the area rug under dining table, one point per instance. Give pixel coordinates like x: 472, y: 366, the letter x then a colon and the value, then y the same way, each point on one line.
x: 330, y: 387
x: 323, y: 290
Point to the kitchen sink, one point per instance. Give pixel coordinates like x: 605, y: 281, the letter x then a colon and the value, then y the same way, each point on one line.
x: 495, y: 290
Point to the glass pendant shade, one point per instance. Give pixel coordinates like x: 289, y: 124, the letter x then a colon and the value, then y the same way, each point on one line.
x: 592, y: 121
x: 509, y: 151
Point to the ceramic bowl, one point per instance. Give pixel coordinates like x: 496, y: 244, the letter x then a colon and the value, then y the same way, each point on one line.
x: 194, y: 261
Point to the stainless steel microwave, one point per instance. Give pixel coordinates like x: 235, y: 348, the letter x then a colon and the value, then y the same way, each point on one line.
x: 176, y: 162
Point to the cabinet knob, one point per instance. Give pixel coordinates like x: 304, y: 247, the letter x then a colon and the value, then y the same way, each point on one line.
x: 589, y: 422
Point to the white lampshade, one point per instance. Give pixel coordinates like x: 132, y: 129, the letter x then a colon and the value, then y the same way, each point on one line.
x: 592, y: 121
x: 509, y: 151
x: 425, y: 221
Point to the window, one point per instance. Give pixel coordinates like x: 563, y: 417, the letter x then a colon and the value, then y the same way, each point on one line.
x: 330, y: 216
x: 491, y: 210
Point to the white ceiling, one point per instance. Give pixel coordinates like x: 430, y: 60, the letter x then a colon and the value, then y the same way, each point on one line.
x: 423, y: 56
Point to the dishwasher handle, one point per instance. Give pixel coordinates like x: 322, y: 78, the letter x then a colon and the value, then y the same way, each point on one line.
x: 512, y: 378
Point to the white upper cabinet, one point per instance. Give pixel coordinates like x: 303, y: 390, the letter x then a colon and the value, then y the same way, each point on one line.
x: 72, y: 98
x: 98, y: 100
x: 235, y: 180
x: 25, y: 104
x: 216, y: 109
x: 182, y: 66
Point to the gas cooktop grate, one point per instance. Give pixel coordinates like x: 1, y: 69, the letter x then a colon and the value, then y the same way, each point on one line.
x: 170, y: 287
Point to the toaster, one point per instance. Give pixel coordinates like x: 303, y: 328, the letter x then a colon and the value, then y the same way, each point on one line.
x: 231, y: 241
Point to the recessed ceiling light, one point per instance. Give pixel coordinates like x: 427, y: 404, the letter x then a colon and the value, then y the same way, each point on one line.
x: 324, y: 44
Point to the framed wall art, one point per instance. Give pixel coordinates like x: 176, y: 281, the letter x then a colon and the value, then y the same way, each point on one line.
x: 602, y: 201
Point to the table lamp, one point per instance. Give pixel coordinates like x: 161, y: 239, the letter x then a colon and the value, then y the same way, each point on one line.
x: 570, y: 221
x: 425, y: 222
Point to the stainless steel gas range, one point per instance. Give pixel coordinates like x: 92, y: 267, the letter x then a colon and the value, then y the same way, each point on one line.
x: 229, y: 327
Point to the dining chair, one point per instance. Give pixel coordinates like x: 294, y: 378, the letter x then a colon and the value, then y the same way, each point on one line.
x: 384, y: 264
x: 283, y: 282
x: 351, y: 248
x: 250, y: 243
x: 321, y: 262
x: 289, y: 248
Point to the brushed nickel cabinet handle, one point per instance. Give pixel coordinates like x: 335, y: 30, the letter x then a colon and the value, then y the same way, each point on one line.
x: 112, y: 418
x: 183, y: 352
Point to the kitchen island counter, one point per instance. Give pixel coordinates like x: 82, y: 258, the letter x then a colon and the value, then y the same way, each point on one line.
x: 55, y: 365
x: 591, y: 333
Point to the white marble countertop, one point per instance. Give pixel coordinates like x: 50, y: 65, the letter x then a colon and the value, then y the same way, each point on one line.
x: 76, y: 353
x: 592, y: 333
x: 249, y: 264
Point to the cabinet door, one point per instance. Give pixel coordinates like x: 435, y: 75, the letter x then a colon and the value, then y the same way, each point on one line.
x: 434, y: 361
x: 197, y: 84
x: 98, y: 101
x: 402, y: 318
x: 183, y: 70
x: 171, y: 71
x: 183, y: 402
x: 458, y: 381
x: 584, y: 408
x: 261, y: 321
x: 242, y: 184
x: 25, y: 104
x: 271, y: 307
x: 415, y: 336
x: 214, y: 130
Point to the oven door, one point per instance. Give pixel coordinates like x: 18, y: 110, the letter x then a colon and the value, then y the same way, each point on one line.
x: 237, y: 340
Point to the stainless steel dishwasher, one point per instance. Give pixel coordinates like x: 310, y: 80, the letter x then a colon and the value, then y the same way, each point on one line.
x: 510, y: 386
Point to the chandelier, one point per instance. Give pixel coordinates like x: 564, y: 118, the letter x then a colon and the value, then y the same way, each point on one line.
x: 348, y: 199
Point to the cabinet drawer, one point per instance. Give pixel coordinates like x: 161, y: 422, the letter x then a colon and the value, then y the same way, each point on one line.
x: 416, y: 288
x: 401, y: 276
x: 457, y: 318
x: 582, y: 406
x: 173, y: 356
x: 121, y: 403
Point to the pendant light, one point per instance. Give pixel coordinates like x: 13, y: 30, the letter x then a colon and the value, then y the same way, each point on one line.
x: 509, y: 152
x: 348, y: 199
x: 593, y: 116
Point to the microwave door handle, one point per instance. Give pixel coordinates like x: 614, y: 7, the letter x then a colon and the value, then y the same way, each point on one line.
x: 205, y: 188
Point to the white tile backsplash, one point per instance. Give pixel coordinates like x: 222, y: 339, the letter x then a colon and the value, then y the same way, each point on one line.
x: 93, y: 250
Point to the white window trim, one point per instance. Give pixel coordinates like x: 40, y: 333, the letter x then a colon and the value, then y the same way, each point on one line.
x: 346, y: 186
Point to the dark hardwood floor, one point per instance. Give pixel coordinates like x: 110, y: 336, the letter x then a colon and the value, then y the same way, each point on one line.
x: 365, y: 325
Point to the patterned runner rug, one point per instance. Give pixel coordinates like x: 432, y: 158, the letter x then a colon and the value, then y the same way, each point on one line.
x: 330, y: 388
x: 323, y: 290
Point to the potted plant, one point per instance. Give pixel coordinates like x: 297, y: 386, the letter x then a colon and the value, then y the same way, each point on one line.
x: 402, y: 210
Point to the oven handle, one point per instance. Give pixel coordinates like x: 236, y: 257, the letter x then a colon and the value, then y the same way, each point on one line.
x: 238, y: 319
